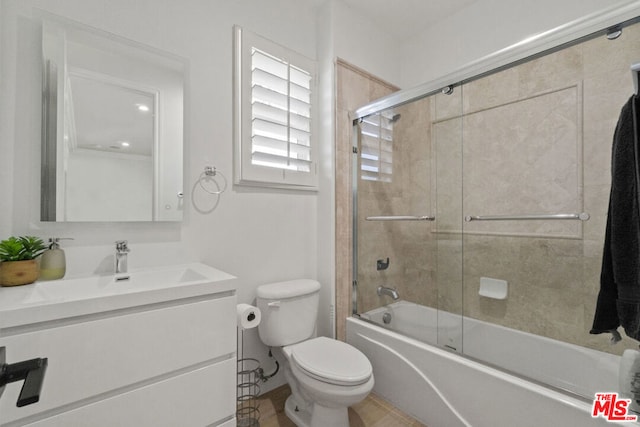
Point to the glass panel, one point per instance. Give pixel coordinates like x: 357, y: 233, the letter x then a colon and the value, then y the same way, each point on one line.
x: 537, y: 140
x: 406, y: 268
x: 447, y: 176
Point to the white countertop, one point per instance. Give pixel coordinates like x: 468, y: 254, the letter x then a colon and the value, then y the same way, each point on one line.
x: 59, y: 299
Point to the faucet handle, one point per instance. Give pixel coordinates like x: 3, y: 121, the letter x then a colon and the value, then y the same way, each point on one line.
x: 121, y: 246
x: 382, y: 264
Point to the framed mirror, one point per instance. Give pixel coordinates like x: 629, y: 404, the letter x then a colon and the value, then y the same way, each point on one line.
x: 112, y: 144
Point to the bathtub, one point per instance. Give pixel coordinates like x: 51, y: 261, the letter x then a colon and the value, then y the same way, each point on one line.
x: 441, y: 388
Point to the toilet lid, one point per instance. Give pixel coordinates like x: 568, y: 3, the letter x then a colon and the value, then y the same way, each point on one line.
x: 332, y: 361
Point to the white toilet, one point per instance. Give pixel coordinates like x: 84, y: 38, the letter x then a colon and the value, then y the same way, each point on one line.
x: 326, y: 376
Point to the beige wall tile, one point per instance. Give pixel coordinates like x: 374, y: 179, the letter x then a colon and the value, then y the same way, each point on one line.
x: 528, y: 154
x: 496, y: 89
x: 353, y: 89
x: 551, y: 72
x: 447, y: 106
x: 602, y: 56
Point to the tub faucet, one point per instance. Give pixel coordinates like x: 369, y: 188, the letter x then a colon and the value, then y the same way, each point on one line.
x: 121, y: 256
x: 383, y: 290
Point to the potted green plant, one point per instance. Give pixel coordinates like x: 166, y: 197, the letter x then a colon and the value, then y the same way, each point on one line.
x: 18, y: 265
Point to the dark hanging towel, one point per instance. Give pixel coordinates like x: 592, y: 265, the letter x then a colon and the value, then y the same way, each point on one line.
x: 619, y: 297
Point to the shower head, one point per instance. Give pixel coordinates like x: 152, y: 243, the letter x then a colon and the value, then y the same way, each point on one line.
x: 395, y: 118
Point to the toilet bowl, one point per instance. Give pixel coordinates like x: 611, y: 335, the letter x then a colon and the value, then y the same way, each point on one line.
x: 326, y: 376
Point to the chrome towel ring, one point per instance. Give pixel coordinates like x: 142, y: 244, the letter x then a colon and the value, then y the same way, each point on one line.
x: 210, y: 173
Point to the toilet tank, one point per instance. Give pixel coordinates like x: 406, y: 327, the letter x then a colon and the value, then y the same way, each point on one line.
x: 289, y: 311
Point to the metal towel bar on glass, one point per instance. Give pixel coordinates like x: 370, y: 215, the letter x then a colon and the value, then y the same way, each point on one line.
x: 401, y: 218
x: 583, y: 216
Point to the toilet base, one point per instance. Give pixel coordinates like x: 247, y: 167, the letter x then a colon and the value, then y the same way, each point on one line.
x: 299, y: 418
x: 334, y: 417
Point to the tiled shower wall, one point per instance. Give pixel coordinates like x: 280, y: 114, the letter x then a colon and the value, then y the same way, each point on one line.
x: 534, y: 138
x: 537, y: 139
x: 409, y: 245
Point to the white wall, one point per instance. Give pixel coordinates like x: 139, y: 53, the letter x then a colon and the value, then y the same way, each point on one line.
x: 364, y: 44
x: 326, y: 196
x: 257, y: 235
x: 482, y: 28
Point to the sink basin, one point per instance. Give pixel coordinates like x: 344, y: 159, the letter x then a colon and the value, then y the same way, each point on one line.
x: 55, y: 299
x: 135, y: 281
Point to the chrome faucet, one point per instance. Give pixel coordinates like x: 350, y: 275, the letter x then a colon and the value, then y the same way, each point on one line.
x: 121, y: 256
x: 383, y: 290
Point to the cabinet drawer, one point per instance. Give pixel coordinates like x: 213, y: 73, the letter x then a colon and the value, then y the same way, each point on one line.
x: 100, y: 356
x: 196, y: 399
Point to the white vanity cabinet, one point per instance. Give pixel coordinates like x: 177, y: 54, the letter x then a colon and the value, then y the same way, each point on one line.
x: 167, y: 361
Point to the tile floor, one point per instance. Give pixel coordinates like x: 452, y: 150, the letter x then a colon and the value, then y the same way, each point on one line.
x: 372, y: 412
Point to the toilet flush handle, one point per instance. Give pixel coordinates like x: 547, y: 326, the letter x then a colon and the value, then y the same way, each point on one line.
x: 275, y: 304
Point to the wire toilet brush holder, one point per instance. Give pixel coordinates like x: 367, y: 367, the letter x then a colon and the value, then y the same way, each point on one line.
x: 247, y: 409
x: 249, y: 377
x: 249, y: 373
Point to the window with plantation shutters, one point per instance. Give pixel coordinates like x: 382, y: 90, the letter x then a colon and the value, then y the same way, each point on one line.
x: 274, y: 115
x: 376, y: 146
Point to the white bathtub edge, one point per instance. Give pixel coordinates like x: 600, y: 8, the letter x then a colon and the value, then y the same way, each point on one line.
x: 534, y: 403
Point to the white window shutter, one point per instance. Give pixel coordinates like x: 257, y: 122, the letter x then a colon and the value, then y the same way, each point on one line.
x: 274, y: 94
x: 376, y: 146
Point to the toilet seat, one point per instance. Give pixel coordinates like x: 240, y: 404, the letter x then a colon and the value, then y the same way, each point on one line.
x: 331, y: 361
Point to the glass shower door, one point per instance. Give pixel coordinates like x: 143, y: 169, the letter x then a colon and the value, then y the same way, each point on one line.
x: 407, y: 263
x: 447, y: 133
x: 482, y: 210
x: 537, y: 153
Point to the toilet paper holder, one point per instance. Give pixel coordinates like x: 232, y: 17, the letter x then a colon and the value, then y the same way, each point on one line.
x: 248, y: 316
